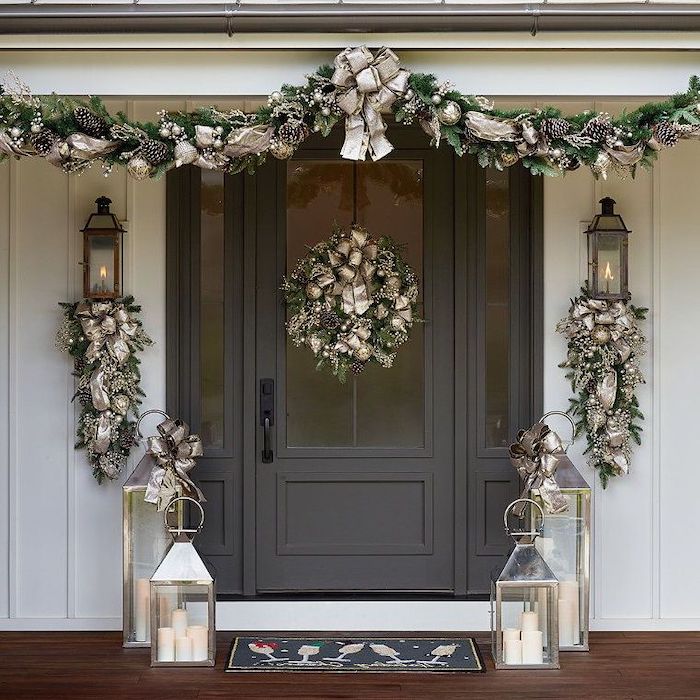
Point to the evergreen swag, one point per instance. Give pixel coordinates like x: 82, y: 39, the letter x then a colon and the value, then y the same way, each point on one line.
x: 103, y: 338
x: 604, y: 345
x: 544, y: 140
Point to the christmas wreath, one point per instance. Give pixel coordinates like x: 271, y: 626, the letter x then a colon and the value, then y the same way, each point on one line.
x: 352, y: 300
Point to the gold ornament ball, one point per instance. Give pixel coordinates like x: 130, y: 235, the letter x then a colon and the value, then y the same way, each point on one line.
x: 397, y: 323
x: 138, y: 168
x: 601, y: 165
x: 394, y: 282
x: 449, y: 113
x: 313, y: 291
x: 509, y: 158
x: 363, y: 352
x: 600, y: 335
x: 281, y: 150
x: 185, y: 153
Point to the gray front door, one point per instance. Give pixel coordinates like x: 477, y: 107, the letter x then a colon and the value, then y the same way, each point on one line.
x: 359, y: 495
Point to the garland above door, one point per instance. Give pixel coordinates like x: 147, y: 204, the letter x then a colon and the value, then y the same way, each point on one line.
x: 358, y: 90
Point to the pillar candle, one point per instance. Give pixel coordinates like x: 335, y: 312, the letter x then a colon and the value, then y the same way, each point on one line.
x: 568, y: 590
x: 142, y: 610
x: 183, y: 649
x: 513, y: 651
x: 566, y: 623
x: 199, y: 635
x: 532, y: 647
x: 510, y: 633
x: 179, y: 622
x: 528, y: 620
x: 166, y: 603
x: 166, y: 644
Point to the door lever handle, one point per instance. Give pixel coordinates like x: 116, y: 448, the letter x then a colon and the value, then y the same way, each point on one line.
x: 267, y: 416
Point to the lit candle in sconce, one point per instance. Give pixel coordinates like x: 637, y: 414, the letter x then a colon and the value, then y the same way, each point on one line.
x: 608, y: 276
x: 103, y: 276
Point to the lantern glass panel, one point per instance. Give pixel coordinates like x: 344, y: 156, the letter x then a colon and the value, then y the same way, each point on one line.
x: 102, y: 259
x: 609, y: 263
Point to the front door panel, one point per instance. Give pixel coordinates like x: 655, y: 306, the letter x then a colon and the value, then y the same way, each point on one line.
x: 360, y: 493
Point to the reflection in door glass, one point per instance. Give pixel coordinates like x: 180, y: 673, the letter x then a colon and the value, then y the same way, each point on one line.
x: 211, y: 340
x: 497, y: 311
x: 381, y: 408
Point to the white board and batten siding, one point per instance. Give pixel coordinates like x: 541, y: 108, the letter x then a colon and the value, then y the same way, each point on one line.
x: 60, y: 533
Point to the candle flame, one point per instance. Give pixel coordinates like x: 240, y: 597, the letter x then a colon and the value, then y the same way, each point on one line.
x: 103, y: 271
x: 608, y: 272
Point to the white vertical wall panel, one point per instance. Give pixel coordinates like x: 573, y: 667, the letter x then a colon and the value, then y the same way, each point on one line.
x: 4, y: 389
x: 676, y: 342
x: 40, y: 377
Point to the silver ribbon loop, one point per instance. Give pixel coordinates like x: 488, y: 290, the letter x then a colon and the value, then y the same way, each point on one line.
x: 174, y: 451
x: 536, y: 456
x: 106, y: 325
x: 369, y: 84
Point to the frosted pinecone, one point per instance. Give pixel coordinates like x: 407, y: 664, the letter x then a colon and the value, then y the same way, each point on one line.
x: 666, y: 134
x: 598, y: 129
x: 555, y: 128
x: 155, y: 152
x: 89, y: 122
x: 329, y: 319
x: 43, y: 141
x: 357, y: 367
x: 292, y: 131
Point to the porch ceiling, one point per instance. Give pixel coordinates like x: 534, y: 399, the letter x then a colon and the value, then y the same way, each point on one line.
x: 247, y: 16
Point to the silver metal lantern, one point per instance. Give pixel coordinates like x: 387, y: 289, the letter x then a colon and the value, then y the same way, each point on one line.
x: 565, y: 545
x: 183, y: 600
x: 145, y: 541
x: 524, y: 604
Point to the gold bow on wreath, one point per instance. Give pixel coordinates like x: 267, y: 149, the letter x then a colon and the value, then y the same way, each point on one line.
x: 369, y: 84
x: 353, y: 265
x: 536, y: 456
x: 173, y: 451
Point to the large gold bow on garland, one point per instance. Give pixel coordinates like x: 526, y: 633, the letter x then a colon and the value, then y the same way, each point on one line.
x: 174, y: 451
x: 370, y: 84
x: 536, y: 456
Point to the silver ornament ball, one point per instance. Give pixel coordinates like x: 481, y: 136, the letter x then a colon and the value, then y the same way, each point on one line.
x: 185, y: 153
x: 449, y: 113
x: 36, y: 128
x: 276, y: 97
x: 15, y: 132
x: 436, y: 99
x: 138, y: 168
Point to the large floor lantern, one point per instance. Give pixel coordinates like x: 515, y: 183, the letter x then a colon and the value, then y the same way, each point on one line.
x: 524, y: 603
x: 183, y: 599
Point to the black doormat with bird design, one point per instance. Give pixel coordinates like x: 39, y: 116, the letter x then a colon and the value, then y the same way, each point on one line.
x: 355, y: 655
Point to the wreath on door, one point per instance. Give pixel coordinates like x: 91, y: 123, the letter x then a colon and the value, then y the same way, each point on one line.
x: 352, y: 300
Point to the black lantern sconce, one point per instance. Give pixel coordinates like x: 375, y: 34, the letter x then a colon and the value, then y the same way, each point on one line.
x: 607, y: 254
x: 102, y: 259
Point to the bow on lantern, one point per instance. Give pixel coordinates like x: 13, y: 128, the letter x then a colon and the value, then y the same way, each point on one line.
x: 353, y: 265
x: 173, y: 451
x: 536, y: 456
x: 369, y: 84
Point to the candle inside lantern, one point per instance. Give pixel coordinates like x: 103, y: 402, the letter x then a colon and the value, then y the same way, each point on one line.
x: 183, y: 649
x: 532, y: 648
x: 199, y: 635
x: 569, y: 595
x: 513, y: 651
x: 142, y: 610
x: 529, y: 620
x: 179, y: 622
x: 510, y: 633
x: 103, y: 277
x: 166, y: 644
x: 566, y: 623
x: 608, y: 275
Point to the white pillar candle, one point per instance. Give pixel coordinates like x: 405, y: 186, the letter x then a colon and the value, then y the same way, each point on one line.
x: 510, y: 633
x: 183, y: 649
x: 566, y: 623
x: 199, y: 635
x: 568, y: 590
x: 166, y: 644
x: 166, y: 603
x: 179, y: 622
x: 142, y: 610
x: 532, y: 647
x: 513, y: 652
x: 528, y: 620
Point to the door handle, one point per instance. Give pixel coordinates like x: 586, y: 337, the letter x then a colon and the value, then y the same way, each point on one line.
x: 267, y: 416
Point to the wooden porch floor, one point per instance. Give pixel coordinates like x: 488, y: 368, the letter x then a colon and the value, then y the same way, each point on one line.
x: 93, y: 665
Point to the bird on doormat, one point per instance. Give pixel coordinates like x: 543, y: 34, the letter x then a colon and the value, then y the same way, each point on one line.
x: 384, y: 650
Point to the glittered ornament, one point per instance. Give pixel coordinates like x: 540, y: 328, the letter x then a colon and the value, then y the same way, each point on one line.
x: 138, y: 168
x: 363, y: 352
x: 397, y: 323
x: 90, y: 123
x: 601, y: 165
x: 600, y: 335
x: 281, y: 150
x: 313, y: 291
x: 449, y: 113
x: 508, y: 159
x: 185, y: 153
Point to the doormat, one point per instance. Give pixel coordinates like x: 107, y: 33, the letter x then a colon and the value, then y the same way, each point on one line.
x: 357, y: 655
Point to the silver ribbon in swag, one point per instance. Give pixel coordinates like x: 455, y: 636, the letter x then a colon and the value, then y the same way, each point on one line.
x: 367, y: 85
x: 536, y: 456
x: 174, y: 451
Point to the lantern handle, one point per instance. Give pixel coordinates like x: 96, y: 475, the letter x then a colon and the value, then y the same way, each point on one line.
x: 521, y: 533
x: 148, y: 413
x: 178, y: 530
x: 569, y: 418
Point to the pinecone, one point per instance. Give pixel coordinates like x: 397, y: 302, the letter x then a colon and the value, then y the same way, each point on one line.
x: 292, y: 131
x: 89, y: 122
x: 155, y: 152
x: 555, y: 128
x: 43, y: 141
x: 666, y: 134
x: 329, y: 319
x: 597, y: 129
x: 357, y: 367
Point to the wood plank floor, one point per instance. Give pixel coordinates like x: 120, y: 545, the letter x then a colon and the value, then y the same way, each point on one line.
x: 620, y: 665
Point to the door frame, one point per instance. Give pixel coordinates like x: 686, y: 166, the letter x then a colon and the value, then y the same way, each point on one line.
x: 242, y: 198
